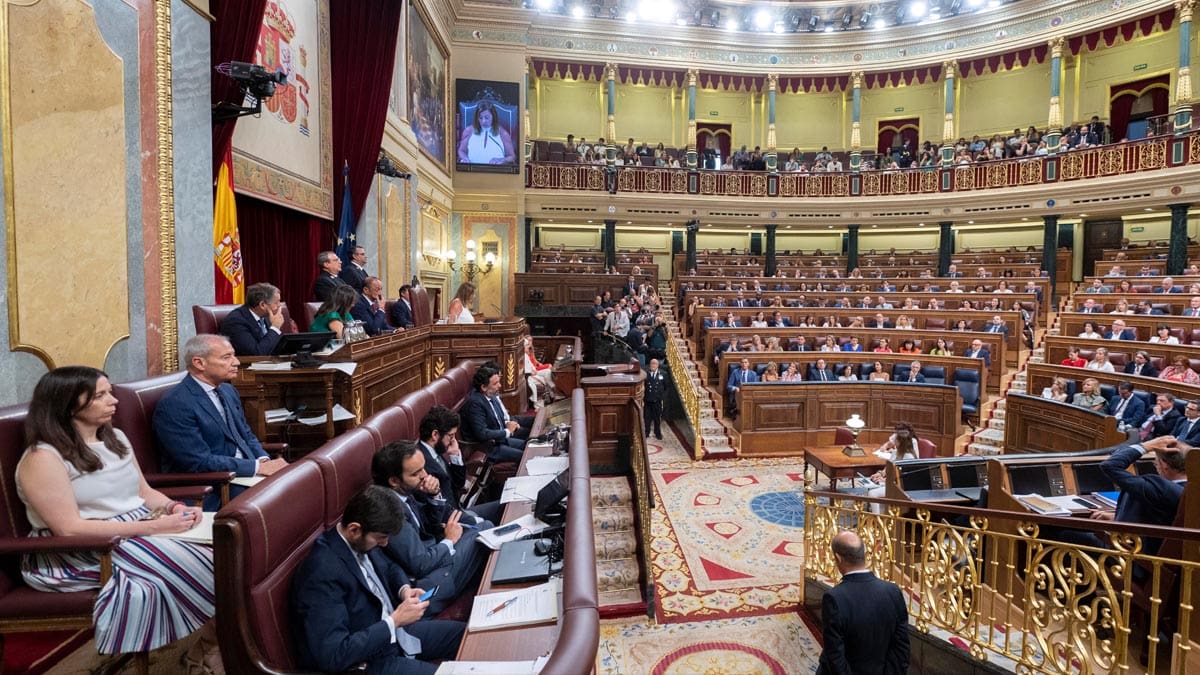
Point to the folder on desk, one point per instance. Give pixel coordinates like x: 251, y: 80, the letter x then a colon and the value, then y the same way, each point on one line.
x: 521, y: 607
x: 1108, y: 498
x: 518, y: 563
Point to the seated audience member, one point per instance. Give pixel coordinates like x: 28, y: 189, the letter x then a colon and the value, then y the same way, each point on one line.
x: 541, y: 377
x: 328, y: 268
x: 1168, y: 286
x: 1100, y: 362
x: 1162, y: 335
x: 1090, y: 306
x: 879, y: 373
x: 443, y: 460
x: 1193, y: 308
x: 996, y: 326
x: 909, y: 347
x: 1145, y: 308
x: 459, y: 310
x: 433, y: 547
x: 200, y: 423
x: 1118, y: 331
x: 1073, y: 358
x: 255, y: 327
x: 486, y: 421
x: 1089, y: 331
x: 402, y: 311
x: 820, y: 372
x: 1129, y: 410
x: 914, y: 373
x: 1179, y: 371
x: 771, y: 372
x: 884, y: 347
x: 79, y: 476
x: 1187, y: 429
x: 853, y: 345
x: 978, y: 351
x: 940, y: 348
x: 1163, y: 418
x: 1057, y: 391
x: 743, y: 374
x: 334, y: 314
x: 352, y: 605
x: 1089, y: 396
x: 792, y: 374
x: 1140, y: 365
x: 368, y: 308
x: 355, y: 274
x: 846, y: 374
x: 903, y: 444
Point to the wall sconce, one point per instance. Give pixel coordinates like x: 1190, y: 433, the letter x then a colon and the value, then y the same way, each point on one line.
x: 471, y: 269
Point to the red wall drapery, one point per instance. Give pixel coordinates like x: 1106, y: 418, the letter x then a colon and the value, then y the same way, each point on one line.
x: 362, y: 50
x: 722, y: 132
x: 892, y: 133
x: 1124, y: 95
x: 280, y: 246
x: 233, y: 34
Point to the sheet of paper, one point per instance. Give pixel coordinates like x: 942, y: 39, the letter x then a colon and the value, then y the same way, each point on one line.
x: 524, y: 488
x: 271, y: 365
x: 489, y: 668
x: 523, y: 607
x: 339, y: 414
x: 347, y: 367
x: 202, y: 533
x: 540, y: 466
x: 247, y: 481
x: 526, y: 525
x: 277, y: 415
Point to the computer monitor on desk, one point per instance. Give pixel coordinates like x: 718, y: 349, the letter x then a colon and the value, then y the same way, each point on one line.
x: 967, y: 474
x: 921, y: 477
x: 1089, y: 478
x: 1041, y: 479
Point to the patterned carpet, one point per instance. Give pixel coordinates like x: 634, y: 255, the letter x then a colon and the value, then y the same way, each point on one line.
x: 764, y: 645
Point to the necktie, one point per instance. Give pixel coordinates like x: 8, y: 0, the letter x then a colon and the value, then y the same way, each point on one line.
x: 1188, y: 430
x: 823, y: 376
x: 262, y: 325
x: 497, y: 410
x: 1120, y: 407
x: 227, y: 413
x: 409, y: 643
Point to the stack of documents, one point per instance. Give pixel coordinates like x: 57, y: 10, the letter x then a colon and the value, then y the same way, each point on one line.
x: 1051, y: 506
x: 1108, y: 498
x: 540, y: 466
x: 277, y: 415
x: 526, y: 525
x: 202, y: 533
x: 271, y: 365
x: 524, y: 607
x: 493, y: 667
x: 524, y: 488
x: 339, y: 414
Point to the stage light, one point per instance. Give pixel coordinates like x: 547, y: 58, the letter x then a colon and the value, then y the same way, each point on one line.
x: 714, y: 18
x: 955, y: 7
x: 829, y: 28
x: 865, y: 19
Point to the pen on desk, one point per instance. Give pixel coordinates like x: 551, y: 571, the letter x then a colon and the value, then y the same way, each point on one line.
x: 469, y: 527
x: 502, y: 605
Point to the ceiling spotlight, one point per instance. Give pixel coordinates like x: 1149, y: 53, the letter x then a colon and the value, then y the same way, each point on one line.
x: 813, y: 22
x: 714, y: 18
x: 917, y: 9
x: 955, y: 7
x: 762, y: 19
x: 577, y: 12
x: 543, y: 4
x: 778, y: 27
x: 847, y: 19
x: 865, y: 19
x: 614, y: 12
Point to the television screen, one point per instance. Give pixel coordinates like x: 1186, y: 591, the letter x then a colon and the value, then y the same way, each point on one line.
x: 1089, y: 478
x: 1030, y: 479
x: 918, y: 478
x: 487, y: 123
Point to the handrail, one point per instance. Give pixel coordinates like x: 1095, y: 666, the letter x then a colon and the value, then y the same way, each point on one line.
x: 689, y: 391
x: 1159, y: 152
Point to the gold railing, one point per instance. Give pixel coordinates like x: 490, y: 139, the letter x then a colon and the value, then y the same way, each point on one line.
x: 689, y: 391
x: 1044, y: 606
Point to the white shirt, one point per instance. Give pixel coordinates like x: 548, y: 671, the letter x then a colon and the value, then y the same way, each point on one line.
x: 102, y: 494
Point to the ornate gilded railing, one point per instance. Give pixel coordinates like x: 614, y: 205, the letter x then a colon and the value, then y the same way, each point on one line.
x: 1046, y: 606
x: 1108, y: 160
x: 690, y: 390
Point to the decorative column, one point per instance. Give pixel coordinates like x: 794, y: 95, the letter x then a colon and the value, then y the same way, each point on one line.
x: 851, y: 247
x: 610, y: 150
x: 1183, y: 90
x: 1050, y: 251
x: 770, y: 157
x: 856, y: 127
x: 949, y: 69
x: 769, y: 269
x: 610, y: 243
x: 945, y: 247
x: 1055, y: 122
x: 1177, y: 253
x: 692, y: 74
x: 692, y: 227
x: 525, y: 122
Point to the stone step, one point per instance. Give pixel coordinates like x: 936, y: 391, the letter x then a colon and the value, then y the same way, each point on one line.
x: 982, y: 450
x: 990, y: 436
x: 998, y: 412
x: 1017, y: 386
x: 996, y: 423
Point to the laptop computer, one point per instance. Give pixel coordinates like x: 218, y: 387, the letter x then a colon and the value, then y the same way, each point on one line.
x: 518, y: 563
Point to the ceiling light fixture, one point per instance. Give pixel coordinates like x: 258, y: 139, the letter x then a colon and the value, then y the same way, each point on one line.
x: 762, y: 19
x: 813, y: 22
x: 917, y: 9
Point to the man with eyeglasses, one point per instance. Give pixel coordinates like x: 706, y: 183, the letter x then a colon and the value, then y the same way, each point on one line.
x: 1188, y: 428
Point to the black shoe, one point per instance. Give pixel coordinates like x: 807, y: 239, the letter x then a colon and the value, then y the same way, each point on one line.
x: 659, y: 437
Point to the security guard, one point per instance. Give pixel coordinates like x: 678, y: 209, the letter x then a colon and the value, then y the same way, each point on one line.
x: 656, y: 387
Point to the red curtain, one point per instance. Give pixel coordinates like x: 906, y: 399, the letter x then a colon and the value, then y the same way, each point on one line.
x: 1127, y: 93
x: 233, y: 35
x: 721, y: 132
x: 280, y: 246
x: 893, y: 133
x: 362, y: 51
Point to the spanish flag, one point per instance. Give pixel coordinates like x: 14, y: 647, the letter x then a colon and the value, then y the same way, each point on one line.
x: 227, y: 248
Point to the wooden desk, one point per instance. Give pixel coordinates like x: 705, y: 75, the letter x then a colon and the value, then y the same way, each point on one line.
x: 831, y: 461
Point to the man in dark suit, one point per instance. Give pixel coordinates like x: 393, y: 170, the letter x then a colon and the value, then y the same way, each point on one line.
x: 996, y: 325
x: 434, y: 547
x: 402, y: 315
x: 1129, y: 410
x: 820, y: 372
x: 879, y: 321
x: 329, y: 266
x: 714, y: 320
x: 1147, y: 309
x: 1193, y: 308
x: 1090, y: 307
x: 352, y: 606
x: 655, y: 390
x: 355, y: 273
x: 778, y: 320
x: 368, y: 308
x: 485, y: 420
x: 978, y: 351
x: 1150, y: 499
x: 1140, y: 365
x: 438, y: 434
x: 1118, y: 331
x: 200, y: 422
x: 864, y: 619
x: 914, y: 373
x: 255, y: 327
x: 1168, y: 286
x: 1163, y: 418
x: 1187, y: 430
x: 630, y: 289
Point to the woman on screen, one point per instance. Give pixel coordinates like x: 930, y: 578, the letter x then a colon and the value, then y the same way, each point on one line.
x: 485, y: 141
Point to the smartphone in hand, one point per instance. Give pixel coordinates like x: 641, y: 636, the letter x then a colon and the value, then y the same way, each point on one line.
x: 428, y: 594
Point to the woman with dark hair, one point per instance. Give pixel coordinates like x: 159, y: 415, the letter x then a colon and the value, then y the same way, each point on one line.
x: 458, y: 311
x: 334, y: 314
x: 78, y: 476
x: 485, y: 141
x: 901, y: 445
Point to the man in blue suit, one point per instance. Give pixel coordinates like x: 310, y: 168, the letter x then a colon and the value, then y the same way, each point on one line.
x: 368, y: 308
x: 913, y: 374
x: 352, y: 606
x: 1118, y: 331
x: 255, y: 327
x: 401, y: 314
x: 355, y: 274
x: 1129, y: 410
x: 438, y: 433
x: 864, y: 619
x: 200, y: 422
x: 1187, y: 429
x: 486, y: 421
x: 434, y: 548
x: 1153, y: 498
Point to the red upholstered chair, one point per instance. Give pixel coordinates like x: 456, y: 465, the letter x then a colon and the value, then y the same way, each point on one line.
x: 926, y: 448
x: 23, y: 609
x: 390, y: 424
x: 345, y: 463
x: 421, y: 308
x: 843, y: 436
x: 136, y: 402
x: 310, y: 313
x: 208, y: 318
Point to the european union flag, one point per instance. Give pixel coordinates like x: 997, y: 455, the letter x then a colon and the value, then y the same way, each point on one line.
x: 346, y: 239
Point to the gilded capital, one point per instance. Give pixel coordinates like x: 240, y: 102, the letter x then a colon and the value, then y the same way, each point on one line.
x: 610, y: 71
x: 772, y: 81
x: 856, y: 79
x: 950, y: 68
x: 1056, y: 47
x: 1184, y: 9
x: 692, y: 75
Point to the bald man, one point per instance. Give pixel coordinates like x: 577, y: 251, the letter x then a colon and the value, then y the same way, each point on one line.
x: 864, y: 618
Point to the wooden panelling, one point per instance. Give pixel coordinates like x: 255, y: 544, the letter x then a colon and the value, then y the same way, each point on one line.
x: 1035, y: 424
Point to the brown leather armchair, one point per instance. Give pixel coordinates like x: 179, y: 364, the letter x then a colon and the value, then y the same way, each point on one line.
x: 208, y: 318
x: 23, y: 609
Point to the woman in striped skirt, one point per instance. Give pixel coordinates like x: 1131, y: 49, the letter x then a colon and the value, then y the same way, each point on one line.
x: 79, y: 477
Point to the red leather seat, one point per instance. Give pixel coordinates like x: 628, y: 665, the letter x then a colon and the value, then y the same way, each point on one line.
x: 345, y: 463
x: 926, y: 449
x: 208, y: 318
x: 310, y: 313
x: 421, y: 309
x: 390, y: 424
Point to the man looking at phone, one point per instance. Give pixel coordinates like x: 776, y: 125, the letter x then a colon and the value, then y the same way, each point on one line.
x: 352, y: 606
x: 453, y: 561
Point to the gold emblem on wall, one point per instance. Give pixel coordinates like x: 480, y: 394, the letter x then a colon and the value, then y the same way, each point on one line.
x: 358, y: 406
x: 439, y: 366
x: 510, y: 371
